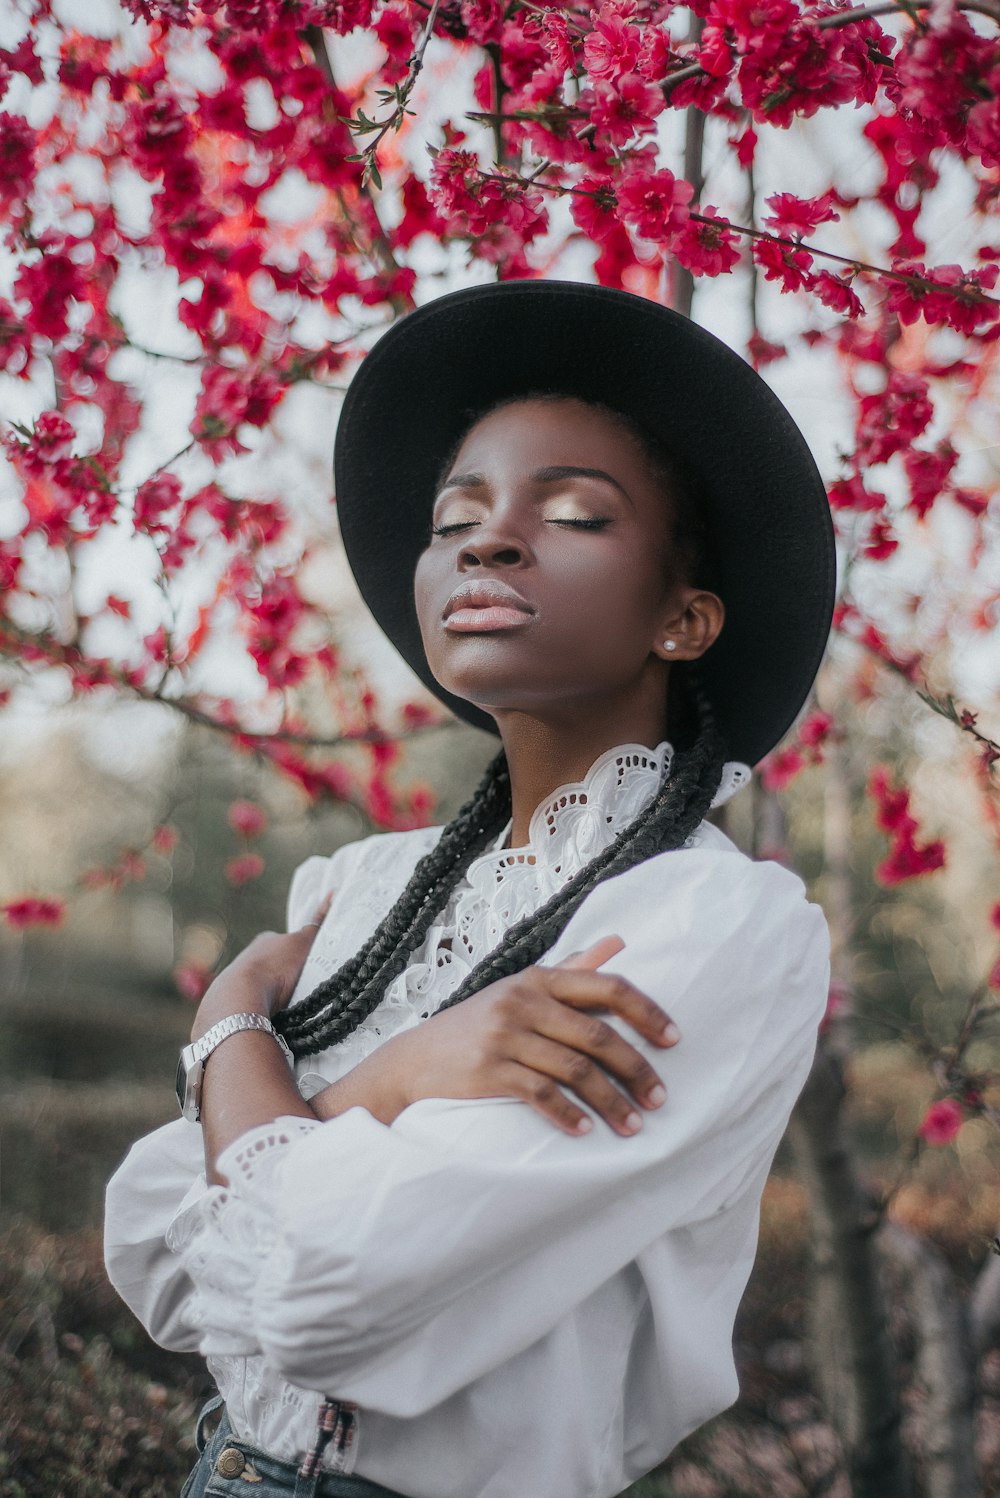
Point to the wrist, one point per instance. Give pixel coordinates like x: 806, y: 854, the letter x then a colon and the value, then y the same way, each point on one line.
x: 373, y: 1085
x: 224, y: 997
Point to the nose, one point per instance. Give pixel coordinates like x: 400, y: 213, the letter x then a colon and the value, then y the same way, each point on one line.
x: 494, y: 543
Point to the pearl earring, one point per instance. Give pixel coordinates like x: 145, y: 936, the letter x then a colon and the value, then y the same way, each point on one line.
x: 670, y: 644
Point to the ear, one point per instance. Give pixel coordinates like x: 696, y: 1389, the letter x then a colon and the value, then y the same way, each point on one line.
x: 693, y: 623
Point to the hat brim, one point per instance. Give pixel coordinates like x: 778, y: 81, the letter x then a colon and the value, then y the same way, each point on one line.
x: 438, y: 369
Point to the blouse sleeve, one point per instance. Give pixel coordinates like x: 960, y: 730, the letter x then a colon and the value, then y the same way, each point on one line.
x: 163, y: 1178
x: 394, y: 1265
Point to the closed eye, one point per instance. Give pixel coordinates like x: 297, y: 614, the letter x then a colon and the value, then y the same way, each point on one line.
x: 597, y: 523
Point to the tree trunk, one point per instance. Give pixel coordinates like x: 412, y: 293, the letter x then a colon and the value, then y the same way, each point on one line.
x: 985, y: 1307
x: 853, y: 1359
x: 854, y: 1362
x: 945, y: 1364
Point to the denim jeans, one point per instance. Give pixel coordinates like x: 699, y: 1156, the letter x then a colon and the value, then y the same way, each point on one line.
x: 231, y: 1468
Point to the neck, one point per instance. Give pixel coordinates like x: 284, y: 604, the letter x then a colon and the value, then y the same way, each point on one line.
x: 543, y: 754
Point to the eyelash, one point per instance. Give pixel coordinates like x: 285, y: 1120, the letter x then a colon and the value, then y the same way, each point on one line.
x: 595, y: 524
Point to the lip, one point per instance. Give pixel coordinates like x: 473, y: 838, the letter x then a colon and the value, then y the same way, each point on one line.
x: 486, y: 604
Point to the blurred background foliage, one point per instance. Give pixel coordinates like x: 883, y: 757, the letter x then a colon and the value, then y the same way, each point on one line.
x: 91, y: 1020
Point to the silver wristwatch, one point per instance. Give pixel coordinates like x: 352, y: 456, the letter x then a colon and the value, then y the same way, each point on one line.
x: 191, y: 1066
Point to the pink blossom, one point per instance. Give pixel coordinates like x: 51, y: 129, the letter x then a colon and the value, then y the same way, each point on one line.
x: 228, y: 398
x: 483, y: 20
x: 17, y: 160
x: 593, y: 207
x: 945, y: 294
x: 555, y: 38
x: 815, y: 730
x: 941, y: 1122
x: 154, y: 501
x: 50, y: 285
x: 623, y: 109
x: 246, y: 867
x: 851, y: 494
x: 890, y: 421
x: 908, y: 861
x: 715, y: 54
x: 837, y: 293
x: 611, y: 48
x: 33, y: 911
x: 797, y: 217
x: 246, y: 818
x: 881, y: 540
x: 780, y: 767
x: 192, y: 980
x: 165, y: 838
x: 654, y: 204
x: 928, y: 472
x: 706, y: 245
x: 837, y: 1001
x: 782, y: 263
x: 892, y: 803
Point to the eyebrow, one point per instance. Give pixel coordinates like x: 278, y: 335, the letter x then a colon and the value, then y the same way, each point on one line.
x: 549, y: 475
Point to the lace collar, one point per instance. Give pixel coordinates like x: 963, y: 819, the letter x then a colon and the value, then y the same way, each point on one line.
x: 587, y: 814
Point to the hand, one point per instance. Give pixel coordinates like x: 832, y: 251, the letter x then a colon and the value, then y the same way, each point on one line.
x: 524, y: 1034
x: 262, y: 979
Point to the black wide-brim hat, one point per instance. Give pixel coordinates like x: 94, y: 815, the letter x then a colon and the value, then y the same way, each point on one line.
x: 441, y: 367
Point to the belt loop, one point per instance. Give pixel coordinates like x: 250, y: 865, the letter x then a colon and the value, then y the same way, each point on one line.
x: 200, y: 1438
x: 334, y: 1422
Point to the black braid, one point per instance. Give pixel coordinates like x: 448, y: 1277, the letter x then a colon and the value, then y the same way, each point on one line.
x: 339, y: 1005
x: 685, y: 794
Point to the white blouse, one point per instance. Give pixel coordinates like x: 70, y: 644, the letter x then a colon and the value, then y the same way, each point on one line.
x: 517, y: 1313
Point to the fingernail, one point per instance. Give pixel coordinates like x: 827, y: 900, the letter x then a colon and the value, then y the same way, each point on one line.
x: 656, y: 1095
x: 633, y: 1121
x: 671, y: 1034
x: 584, y: 1126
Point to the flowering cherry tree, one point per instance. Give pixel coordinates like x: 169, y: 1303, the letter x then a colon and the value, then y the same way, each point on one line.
x: 209, y: 212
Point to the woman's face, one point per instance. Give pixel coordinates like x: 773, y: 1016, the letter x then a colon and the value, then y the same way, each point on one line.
x: 557, y: 536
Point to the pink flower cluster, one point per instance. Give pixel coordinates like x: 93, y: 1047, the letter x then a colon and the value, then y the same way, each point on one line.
x: 33, y: 910
x: 782, y: 765
x: 941, y: 1122
x: 907, y: 859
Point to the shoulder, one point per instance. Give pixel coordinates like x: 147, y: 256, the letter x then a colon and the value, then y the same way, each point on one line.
x: 709, y: 871
x: 702, y: 909
x: 394, y: 854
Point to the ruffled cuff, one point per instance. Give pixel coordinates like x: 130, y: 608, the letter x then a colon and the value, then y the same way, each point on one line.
x: 225, y: 1237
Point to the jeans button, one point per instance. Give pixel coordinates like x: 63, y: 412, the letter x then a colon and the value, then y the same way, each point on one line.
x: 230, y: 1462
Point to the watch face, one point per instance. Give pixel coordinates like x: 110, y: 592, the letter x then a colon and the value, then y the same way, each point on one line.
x: 181, y: 1082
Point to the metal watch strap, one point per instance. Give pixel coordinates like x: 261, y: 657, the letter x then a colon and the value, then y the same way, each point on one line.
x: 191, y: 1066
x: 232, y: 1025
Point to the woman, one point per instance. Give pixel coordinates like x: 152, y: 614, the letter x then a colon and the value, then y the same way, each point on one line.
x: 492, y: 1239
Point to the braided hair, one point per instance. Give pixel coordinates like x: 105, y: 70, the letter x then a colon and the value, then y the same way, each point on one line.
x: 688, y: 784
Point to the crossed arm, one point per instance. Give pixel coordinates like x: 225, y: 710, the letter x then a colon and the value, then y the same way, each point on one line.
x: 518, y: 1038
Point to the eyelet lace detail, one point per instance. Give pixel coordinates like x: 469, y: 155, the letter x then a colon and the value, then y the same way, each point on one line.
x: 501, y: 886
x: 249, y: 1164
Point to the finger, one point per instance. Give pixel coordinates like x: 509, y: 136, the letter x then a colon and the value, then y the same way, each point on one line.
x: 590, y: 990
x: 597, y: 1044
x: 592, y: 956
x: 585, y: 1080
x: 546, y: 1098
x: 319, y: 914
